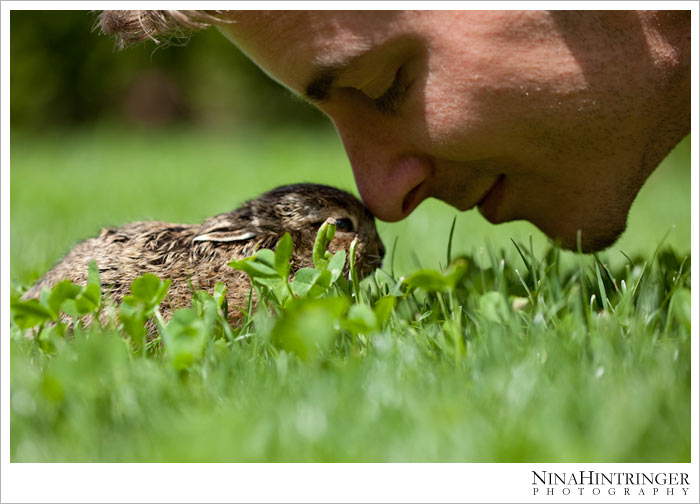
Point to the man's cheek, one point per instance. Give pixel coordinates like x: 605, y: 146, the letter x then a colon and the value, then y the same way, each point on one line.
x: 457, y: 128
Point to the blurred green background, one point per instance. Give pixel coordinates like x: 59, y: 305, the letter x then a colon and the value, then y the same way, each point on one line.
x: 64, y: 74
x: 100, y: 137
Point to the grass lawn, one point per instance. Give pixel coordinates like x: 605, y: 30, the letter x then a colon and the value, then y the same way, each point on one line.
x: 528, y: 354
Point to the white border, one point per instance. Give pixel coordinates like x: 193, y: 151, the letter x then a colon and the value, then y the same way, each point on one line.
x: 695, y: 237
x: 310, y: 482
x: 86, y: 483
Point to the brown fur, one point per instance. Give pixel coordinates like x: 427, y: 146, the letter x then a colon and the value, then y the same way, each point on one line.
x: 200, y: 253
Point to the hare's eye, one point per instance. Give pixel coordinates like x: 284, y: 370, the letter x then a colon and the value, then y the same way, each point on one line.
x: 344, y: 225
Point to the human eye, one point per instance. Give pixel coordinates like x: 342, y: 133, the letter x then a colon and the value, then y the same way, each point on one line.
x: 391, y: 99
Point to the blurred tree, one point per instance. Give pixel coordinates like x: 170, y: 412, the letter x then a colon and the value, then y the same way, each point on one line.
x: 65, y: 74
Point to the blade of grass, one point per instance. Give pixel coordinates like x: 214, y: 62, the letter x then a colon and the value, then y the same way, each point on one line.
x: 449, y: 240
x: 601, y: 288
x: 393, y: 256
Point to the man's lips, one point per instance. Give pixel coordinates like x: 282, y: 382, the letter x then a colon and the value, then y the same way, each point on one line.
x: 491, y: 201
x: 488, y: 204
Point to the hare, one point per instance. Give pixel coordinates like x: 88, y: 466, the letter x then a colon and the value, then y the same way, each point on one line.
x: 198, y: 255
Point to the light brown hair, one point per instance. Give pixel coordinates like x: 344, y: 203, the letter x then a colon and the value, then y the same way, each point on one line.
x: 132, y: 26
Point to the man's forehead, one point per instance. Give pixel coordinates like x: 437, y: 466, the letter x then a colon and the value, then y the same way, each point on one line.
x: 293, y: 45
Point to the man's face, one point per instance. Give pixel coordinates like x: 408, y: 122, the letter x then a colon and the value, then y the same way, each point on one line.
x: 497, y: 110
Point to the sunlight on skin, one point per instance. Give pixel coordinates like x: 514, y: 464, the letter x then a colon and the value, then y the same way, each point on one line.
x: 526, y: 115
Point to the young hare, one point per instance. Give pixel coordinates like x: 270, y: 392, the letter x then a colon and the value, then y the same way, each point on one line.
x: 199, y: 254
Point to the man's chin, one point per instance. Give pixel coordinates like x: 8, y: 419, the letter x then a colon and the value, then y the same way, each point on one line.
x: 587, y: 240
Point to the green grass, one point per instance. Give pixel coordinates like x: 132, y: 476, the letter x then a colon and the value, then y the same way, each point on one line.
x: 65, y: 187
x: 586, y: 370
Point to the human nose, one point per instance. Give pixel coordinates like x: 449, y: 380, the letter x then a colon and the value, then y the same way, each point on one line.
x: 391, y: 177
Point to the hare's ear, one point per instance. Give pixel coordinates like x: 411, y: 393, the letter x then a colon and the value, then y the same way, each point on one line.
x: 224, y: 236
x: 225, y: 231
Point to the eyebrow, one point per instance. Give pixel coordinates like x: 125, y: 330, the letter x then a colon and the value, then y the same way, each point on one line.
x: 320, y: 85
x: 319, y: 88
